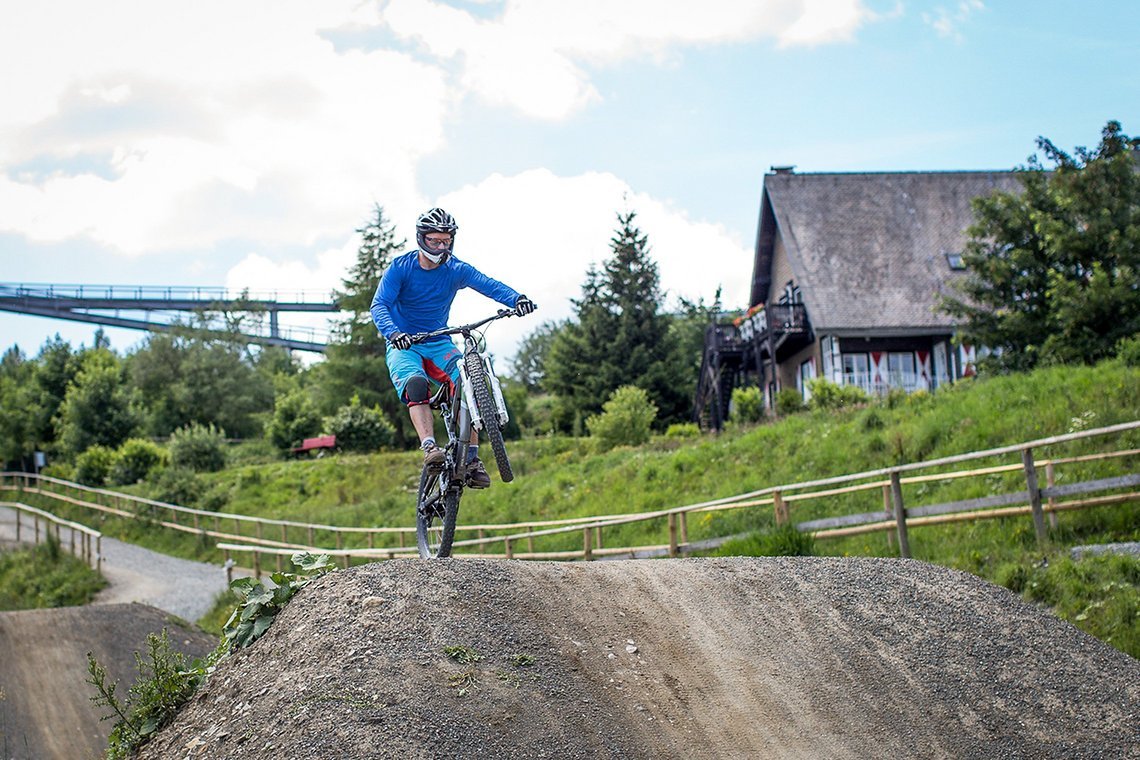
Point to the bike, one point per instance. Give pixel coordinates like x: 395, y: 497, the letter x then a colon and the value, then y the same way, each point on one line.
x: 475, y: 403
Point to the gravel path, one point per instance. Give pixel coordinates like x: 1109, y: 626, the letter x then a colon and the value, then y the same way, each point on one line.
x: 178, y: 586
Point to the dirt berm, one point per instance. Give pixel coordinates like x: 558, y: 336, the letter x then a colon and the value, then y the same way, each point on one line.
x: 757, y: 658
x: 45, y: 705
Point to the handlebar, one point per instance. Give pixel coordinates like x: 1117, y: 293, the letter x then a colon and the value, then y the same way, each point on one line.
x: 462, y: 329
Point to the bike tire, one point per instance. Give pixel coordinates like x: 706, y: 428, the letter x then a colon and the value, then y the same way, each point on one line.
x: 436, y: 513
x: 481, y: 386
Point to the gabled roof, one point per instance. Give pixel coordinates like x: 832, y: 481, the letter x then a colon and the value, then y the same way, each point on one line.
x: 868, y: 251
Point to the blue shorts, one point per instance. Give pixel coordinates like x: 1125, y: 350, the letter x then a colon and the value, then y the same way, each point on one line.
x: 437, y: 361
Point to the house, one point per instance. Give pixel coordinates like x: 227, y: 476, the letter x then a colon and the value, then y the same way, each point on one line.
x: 846, y: 280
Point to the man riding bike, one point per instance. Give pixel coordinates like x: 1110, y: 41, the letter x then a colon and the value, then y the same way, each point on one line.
x: 415, y: 296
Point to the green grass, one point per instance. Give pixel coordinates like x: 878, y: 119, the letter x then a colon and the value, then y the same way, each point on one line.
x: 561, y: 477
x: 45, y: 576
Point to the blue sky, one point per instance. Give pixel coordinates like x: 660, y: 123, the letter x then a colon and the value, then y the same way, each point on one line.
x: 240, y: 143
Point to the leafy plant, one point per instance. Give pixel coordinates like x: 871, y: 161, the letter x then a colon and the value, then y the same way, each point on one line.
x: 788, y: 401
x: 827, y: 395
x: 201, y: 448
x: 135, y: 460
x: 166, y: 681
x: 94, y: 465
x: 258, y: 606
x: 747, y: 404
x: 782, y: 541
x: 358, y: 428
x: 461, y: 654
x: 295, y: 417
x: 626, y: 419
x: 683, y: 430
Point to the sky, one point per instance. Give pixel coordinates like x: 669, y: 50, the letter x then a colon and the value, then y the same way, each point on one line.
x: 241, y: 143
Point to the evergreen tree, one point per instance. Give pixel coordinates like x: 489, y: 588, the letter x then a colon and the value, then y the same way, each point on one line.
x: 1054, y: 271
x: 354, y: 361
x: 620, y: 336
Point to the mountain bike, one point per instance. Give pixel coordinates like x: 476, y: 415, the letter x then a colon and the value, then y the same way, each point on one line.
x: 476, y: 402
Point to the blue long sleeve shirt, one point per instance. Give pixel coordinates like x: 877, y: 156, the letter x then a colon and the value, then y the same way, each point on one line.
x: 412, y: 299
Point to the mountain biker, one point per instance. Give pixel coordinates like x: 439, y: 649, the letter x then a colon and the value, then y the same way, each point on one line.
x: 414, y: 296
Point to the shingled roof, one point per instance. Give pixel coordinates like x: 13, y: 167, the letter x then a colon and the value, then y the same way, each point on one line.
x: 868, y: 251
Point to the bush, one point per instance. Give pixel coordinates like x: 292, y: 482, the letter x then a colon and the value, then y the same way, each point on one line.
x: 789, y: 401
x: 625, y: 420
x: 683, y: 430
x: 135, y: 460
x: 295, y: 418
x: 358, y: 428
x: 1128, y: 351
x: 94, y: 465
x: 177, y: 485
x: 827, y: 395
x: 747, y: 404
x: 198, y: 448
x: 782, y: 541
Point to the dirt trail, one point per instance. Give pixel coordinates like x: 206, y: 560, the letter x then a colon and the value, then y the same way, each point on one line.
x: 778, y: 657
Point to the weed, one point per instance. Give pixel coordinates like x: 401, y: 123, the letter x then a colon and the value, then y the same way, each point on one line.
x: 523, y: 660
x: 258, y: 606
x: 463, y: 655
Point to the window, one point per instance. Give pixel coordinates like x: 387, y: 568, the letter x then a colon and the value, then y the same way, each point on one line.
x: 900, y: 370
x: 857, y: 371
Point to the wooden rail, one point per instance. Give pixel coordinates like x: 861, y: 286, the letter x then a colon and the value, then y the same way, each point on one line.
x: 895, y: 517
x: 92, y: 555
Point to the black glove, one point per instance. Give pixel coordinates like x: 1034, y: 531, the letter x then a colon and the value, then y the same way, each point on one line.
x: 524, y: 306
x: 400, y: 340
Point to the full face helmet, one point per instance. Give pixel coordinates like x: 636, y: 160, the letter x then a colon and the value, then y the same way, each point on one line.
x: 439, y: 221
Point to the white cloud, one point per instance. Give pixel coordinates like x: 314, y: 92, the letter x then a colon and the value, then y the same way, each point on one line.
x: 531, y: 56
x: 539, y: 233
x: 948, y: 21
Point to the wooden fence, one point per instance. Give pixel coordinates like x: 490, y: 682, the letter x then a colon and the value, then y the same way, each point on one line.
x: 517, y: 540
x: 92, y: 554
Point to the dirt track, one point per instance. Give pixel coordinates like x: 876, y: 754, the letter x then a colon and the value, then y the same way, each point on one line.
x: 780, y: 657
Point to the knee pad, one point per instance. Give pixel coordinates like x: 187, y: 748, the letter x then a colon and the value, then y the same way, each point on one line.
x: 416, y: 391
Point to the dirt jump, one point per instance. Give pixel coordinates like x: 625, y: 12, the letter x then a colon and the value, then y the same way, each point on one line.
x: 718, y: 658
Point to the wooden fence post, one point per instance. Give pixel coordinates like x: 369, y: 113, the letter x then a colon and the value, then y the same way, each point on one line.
x: 507, y: 547
x: 684, y: 533
x: 598, y: 536
x: 889, y: 513
x: 587, y: 552
x: 1050, y: 481
x: 672, y: 534
x: 1034, y: 495
x: 779, y: 508
x: 900, y: 514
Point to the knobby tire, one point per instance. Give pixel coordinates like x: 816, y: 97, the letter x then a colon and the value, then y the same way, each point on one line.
x: 481, y: 386
x: 436, y: 514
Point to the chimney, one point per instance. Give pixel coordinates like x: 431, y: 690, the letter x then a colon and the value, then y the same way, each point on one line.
x: 784, y: 169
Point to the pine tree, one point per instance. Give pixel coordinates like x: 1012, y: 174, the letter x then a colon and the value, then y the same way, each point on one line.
x: 377, y: 247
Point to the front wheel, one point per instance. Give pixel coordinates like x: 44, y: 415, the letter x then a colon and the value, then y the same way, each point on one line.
x: 482, y: 387
x: 436, y: 511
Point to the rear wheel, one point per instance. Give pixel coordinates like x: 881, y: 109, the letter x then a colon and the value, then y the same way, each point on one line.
x: 436, y: 511
x: 481, y: 386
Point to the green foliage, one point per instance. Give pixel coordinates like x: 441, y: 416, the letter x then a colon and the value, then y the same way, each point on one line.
x: 1054, y: 271
x: 93, y: 466
x: 626, y: 419
x: 788, y: 401
x: 683, y: 430
x: 45, y: 576
x: 827, y: 395
x: 199, y: 448
x: 96, y: 408
x: 747, y: 404
x: 258, y: 606
x: 295, y: 418
x: 619, y: 338
x: 360, y: 429
x: 529, y: 363
x: 166, y: 681
x: 463, y: 655
x: 1128, y: 351
x: 1100, y: 594
x: 378, y: 243
x: 782, y: 541
x: 135, y: 460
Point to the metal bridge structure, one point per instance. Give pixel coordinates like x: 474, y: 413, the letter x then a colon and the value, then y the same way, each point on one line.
x: 158, y: 308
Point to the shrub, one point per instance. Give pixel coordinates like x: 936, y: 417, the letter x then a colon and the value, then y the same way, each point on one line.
x: 782, y: 541
x: 683, y: 430
x: 625, y: 420
x: 198, y: 448
x: 295, y: 418
x: 358, y: 428
x: 1128, y: 351
x: 827, y: 395
x: 789, y: 401
x: 747, y: 404
x: 94, y: 465
x: 135, y: 460
x: 177, y: 485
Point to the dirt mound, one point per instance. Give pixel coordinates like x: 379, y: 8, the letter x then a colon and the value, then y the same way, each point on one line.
x: 45, y: 706
x: 777, y: 657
